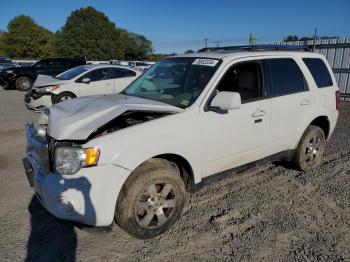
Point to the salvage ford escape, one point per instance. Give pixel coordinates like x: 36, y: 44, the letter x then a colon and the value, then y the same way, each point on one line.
x: 131, y: 157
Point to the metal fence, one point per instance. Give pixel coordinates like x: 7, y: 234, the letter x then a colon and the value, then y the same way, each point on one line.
x: 337, y: 52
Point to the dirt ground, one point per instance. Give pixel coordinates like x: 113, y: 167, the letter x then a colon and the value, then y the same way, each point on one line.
x: 271, y: 213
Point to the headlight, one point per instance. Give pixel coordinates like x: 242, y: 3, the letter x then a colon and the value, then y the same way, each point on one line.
x: 9, y: 71
x: 68, y: 160
x: 47, y: 89
x: 42, y: 123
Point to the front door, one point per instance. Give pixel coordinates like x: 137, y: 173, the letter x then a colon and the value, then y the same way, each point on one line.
x: 238, y: 136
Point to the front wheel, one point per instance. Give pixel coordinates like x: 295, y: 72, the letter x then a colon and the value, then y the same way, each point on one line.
x: 309, y: 152
x: 151, y: 200
x: 23, y: 83
x: 65, y: 96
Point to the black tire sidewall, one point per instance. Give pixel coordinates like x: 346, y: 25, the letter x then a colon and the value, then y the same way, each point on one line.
x: 300, y: 152
x: 125, y: 208
x: 56, y: 100
x: 20, y: 88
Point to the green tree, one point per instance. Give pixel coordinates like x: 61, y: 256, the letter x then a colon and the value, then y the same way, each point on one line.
x: 26, y: 39
x: 89, y: 33
x: 2, y: 43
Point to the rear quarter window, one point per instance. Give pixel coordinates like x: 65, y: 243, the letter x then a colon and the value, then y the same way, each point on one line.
x: 319, y: 72
x: 286, y: 77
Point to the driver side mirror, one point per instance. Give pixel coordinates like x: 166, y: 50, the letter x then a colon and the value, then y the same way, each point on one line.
x: 225, y: 101
x: 86, y: 80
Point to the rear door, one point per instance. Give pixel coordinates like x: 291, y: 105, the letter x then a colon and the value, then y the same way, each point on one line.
x: 291, y: 101
x: 45, y: 67
x: 101, y: 82
x: 60, y: 66
x: 122, y: 78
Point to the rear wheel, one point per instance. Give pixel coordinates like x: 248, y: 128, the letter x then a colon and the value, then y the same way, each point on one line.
x: 23, y: 83
x: 309, y: 152
x: 152, y: 199
x: 65, y: 96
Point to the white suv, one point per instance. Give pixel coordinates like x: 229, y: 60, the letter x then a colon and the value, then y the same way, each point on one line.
x: 132, y: 157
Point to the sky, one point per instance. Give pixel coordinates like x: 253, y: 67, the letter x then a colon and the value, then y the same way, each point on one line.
x: 179, y: 25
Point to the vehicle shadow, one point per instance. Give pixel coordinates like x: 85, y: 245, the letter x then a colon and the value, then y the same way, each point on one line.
x: 53, y: 239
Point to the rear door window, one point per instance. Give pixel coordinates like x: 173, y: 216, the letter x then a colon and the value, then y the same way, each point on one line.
x: 319, y: 72
x: 122, y: 72
x: 286, y: 77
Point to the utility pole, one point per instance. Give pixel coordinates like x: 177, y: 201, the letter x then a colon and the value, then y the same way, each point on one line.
x: 217, y: 43
x: 252, y: 39
x: 206, y: 42
x: 314, y: 43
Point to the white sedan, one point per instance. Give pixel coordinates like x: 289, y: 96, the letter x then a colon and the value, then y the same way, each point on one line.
x: 80, y: 81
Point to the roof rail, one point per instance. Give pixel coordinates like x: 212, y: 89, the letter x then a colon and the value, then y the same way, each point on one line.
x: 257, y: 48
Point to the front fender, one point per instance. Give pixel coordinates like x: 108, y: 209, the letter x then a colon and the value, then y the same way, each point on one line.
x: 175, y: 134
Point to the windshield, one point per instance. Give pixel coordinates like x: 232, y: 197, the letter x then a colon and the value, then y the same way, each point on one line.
x: 71, y: 73
x: 175, y: 81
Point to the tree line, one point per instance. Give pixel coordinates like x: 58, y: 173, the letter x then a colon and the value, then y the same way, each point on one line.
x: 87, y: 33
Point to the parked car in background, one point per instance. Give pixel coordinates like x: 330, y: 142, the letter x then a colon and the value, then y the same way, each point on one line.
x: 23, y: 77
x: 115, y: 62
x: 139, y: 65
x: 132, y: 157
x: 80, y: 81
x: 5, y: 63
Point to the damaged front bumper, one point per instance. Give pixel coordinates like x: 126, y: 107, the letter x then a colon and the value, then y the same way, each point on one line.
x: 37, y: 101
x: 88, y: 196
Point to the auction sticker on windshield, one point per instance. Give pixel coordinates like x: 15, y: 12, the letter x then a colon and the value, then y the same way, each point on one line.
x: 205, y: 62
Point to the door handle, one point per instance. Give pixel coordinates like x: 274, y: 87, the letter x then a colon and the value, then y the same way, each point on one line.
x: 108, y: 84
x: 259, y: 112
x: 305, y: 102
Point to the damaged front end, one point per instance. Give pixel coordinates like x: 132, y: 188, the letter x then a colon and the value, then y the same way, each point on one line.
x: 127, y: 119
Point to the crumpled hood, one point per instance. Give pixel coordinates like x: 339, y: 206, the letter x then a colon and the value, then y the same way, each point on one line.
x: 44, y: 80
x: 78, y: 118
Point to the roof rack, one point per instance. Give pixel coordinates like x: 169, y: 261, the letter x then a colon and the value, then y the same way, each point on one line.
x: 257, y: 48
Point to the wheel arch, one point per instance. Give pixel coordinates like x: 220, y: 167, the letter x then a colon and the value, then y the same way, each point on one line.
x: 54, y: 96
x: 322, y: 122
x: 184, y: 166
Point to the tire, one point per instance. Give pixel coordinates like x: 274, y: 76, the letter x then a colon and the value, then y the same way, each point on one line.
x: 23, y: 83
x: 62, y: 97
x: 151, y: 199
x: 309, y: 152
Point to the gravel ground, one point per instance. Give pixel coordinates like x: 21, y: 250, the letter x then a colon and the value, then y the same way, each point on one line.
x: 269, y: 213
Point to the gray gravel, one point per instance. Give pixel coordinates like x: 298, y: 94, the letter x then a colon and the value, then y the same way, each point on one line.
x: 269, y: 213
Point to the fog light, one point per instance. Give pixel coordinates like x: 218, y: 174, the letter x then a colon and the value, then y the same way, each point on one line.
x: 64, y: 206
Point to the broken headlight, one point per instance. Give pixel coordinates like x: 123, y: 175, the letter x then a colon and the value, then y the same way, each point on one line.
x: 42, y: 123
x: 68, y: 160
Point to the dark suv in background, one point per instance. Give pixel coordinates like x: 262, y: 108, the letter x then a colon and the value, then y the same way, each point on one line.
x: 23, y: 77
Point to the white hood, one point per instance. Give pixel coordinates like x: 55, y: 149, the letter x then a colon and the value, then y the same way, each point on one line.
x: 78, y: 118
x: 44, y: 80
